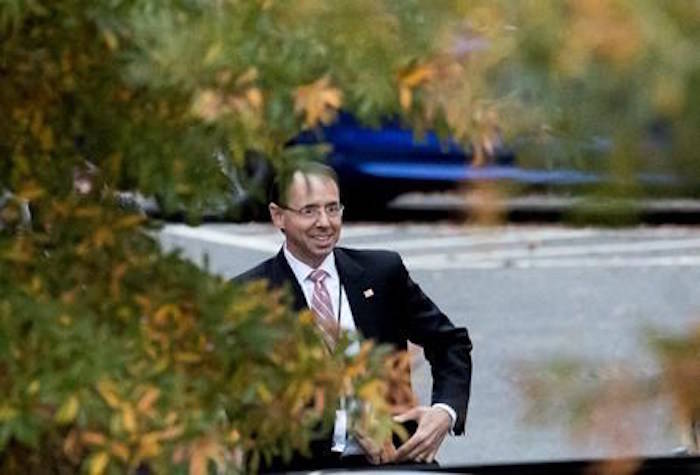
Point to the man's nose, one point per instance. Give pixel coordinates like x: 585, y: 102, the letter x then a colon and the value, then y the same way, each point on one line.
x: 323, y: 218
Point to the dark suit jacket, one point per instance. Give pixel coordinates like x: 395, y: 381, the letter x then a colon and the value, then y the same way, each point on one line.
x: 398, y: 311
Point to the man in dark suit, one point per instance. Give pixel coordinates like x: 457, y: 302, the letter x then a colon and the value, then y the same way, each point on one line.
x: 370, y: 292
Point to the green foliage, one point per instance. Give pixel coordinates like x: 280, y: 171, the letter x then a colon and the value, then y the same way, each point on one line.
x: 624, y: 72
x: 148, y: 90
x: 108, y: 346
x: 114, y: 352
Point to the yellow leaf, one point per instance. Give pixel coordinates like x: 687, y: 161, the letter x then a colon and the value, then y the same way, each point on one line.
x: 318, y: 101
x: 207, y: 105
x: 161, y: 365
x: 171, y: 418
x: 129, y: 418
x: 36, y: 284
x: 149, y: 444
x: 115, y: 159
x: 250, y: 75
x: 202, y: 451
x: 417, y: 75
x: 264, y: 393
x: 103, y: 236
x: 93, y: 438
x: 88, y: 212
x: 372, y: 391
x: 120, y: 451
x: 187, y: 357
x: 68, y: 410
x: 306, y: 317
x: 255, y: 97
x: 411, y: 79
x: 213, y: 53
x: 18, y: 254
x: 224, y: 77
x: 171, y: 433
x: 198, y: 463
x: 31, y: 191
x: 332, y: 97
x: 319, y: 400
x: 98, y: 463
x: 110, y: 39
x: 107, y: 390
x: 149, y: 397
x: 149, y: 447
x: 7, y: 413
x: 143, y: 302
x: 405, y: 97
x: 46, y: 139
x: 71, y: 445
x: 65, y: 320
x: 355, y: 369
x: 33, y: 387
x: 129, y: 221
x: 117, y: 274
x: 167, y: 312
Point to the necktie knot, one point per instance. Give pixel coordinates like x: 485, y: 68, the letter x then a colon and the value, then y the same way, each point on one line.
x: 317, y: 276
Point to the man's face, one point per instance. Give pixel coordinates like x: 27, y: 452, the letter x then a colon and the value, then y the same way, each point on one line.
x: 309, y: 238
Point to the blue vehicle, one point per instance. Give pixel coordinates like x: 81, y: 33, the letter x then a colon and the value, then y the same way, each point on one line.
x: 375, y: 165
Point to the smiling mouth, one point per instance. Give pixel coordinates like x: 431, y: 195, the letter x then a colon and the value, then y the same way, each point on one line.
x: 323, y: 239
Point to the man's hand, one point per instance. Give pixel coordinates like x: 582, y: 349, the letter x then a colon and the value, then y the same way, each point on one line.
x: 375, y: 453
x: 433, y: 425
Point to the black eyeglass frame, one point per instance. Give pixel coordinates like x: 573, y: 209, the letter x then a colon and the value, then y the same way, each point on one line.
x: 314, y: 211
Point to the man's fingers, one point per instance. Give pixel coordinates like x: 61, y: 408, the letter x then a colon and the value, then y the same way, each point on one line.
x: 418, y: 454
x: 417, y: 445
x: 407, y: 447
x: 411, y: 414
x: 372, y: 452
x: 435, y: 448
x: 364, y: 442
x: 376, y: 453
x: 388, y: 452
x: 422, y: 448
x: 433, y: 454
x: 433, y: 425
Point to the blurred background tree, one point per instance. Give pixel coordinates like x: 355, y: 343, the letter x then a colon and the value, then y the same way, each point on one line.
x: 613, y: 400
x: 114, y: 353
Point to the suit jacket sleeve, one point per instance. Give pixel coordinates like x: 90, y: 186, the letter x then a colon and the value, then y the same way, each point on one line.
x: 447, y: 348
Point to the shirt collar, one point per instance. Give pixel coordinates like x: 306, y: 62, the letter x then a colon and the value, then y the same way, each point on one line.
x: 302, y: 270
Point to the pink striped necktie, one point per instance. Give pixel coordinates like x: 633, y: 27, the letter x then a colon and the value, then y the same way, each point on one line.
x: 323, y: 309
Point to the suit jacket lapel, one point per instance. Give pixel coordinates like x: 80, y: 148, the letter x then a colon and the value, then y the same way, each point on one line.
x: 353, y: 278
x: 282, y: 275
x: 355, y: 281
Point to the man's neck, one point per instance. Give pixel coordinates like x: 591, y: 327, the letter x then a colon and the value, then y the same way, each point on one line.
x: 313, y: 263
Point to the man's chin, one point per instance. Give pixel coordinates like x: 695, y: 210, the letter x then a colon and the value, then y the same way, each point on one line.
x: 322, y: 250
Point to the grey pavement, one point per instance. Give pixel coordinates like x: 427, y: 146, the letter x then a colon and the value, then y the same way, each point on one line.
x: 527, y: 294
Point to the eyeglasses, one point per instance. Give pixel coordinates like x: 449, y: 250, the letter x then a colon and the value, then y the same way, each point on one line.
x: 333, y: 210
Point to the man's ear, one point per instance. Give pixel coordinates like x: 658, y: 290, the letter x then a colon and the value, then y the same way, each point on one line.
x: 276, y: 216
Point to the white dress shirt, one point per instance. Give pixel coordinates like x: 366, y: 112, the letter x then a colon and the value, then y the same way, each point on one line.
x: 302, y: 271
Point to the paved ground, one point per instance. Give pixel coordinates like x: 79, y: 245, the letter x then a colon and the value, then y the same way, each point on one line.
x: 527, y: 294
